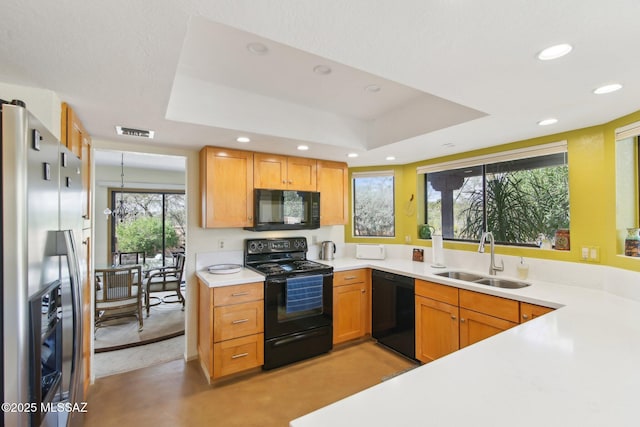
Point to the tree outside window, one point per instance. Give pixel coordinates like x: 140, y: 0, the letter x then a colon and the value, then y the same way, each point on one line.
x: 373, y: 205
x: 520, y: 201
x: 156, y: 225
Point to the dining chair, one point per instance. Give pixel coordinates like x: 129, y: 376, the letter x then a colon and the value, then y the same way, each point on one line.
x: 165, y: 279
x: 120, y: 294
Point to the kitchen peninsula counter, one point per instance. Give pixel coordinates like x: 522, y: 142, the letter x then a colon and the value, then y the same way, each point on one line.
x: 577, y: 365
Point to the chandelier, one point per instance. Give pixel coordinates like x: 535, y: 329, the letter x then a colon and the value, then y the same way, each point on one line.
x: 120, y: 212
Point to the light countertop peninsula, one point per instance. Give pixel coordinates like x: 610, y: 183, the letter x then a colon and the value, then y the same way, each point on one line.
x: 576, y: 366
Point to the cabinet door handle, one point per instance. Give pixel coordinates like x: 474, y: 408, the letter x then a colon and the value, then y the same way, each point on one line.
x: 462, y: 320
x: 363, y: 291
x: 525, y: 317
x: 284, y: 181
x: 235, y: 322
x: 350, y: 277
x: 453, y: 317
x: 239, y: 294
x: 237, y: 356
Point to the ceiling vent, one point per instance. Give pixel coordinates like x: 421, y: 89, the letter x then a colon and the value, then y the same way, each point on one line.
x: 141, y: 133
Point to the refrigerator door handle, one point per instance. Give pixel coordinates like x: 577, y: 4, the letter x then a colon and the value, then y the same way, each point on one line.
x: 67, y: 247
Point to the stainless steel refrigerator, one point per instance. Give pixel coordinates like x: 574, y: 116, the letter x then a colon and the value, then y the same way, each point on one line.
x: 40, y: 287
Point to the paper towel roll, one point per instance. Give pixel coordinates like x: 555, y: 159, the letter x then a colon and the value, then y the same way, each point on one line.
x: 437, y: 251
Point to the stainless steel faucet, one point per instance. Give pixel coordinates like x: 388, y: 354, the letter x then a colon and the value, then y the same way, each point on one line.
x: 493, y: 268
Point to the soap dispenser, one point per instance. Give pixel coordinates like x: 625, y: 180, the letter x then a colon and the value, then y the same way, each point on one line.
x: 523, y: 269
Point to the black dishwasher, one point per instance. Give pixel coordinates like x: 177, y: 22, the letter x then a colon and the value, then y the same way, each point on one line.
x: 393, y: 312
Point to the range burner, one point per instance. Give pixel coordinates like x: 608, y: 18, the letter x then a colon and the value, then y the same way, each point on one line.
x: 308, y: 265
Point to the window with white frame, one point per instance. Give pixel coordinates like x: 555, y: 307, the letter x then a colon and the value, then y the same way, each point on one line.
x: 522, y: 196
x: 373, y: 204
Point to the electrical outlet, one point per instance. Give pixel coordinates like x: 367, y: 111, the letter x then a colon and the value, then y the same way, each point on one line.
x: 590, y: 253
x: 585, y: 253
x: 221, y: 244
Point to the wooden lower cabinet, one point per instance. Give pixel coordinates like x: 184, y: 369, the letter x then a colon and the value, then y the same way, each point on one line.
x: 437, y: 332
x: 230, y: 328
x: 482, y: 316
x: 531, y: 311
x: 448, y: 318
x: 475, y: 326
x: 351, y: 305
x: 237, y: 355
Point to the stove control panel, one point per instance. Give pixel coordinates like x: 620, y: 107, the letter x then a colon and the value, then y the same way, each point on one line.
x: 275, y: 245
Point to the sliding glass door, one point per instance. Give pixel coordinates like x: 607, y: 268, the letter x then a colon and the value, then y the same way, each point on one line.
x: 152, y: 222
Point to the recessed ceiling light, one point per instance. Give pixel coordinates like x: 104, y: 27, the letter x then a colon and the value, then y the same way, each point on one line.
x: 390, y: 158
x: 323, y: 70
x: 303, y: 147
x: 555, y: 52
x: 607, y: 88
x: 547, y: 122
x: 352, y: 155
x: 257, y: 48
x: 243, y: 139
x: 372, y: 88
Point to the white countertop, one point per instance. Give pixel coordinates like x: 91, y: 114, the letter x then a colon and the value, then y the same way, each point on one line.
x: 576, y: 366
x: 243, y: 276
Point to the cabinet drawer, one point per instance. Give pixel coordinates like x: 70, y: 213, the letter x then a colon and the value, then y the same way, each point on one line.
x: 238, y: 320
x: 437, y: 292
x: 494, y: 306
x: 350, y: 276
x: 237, y: 355
x: 237, y: 294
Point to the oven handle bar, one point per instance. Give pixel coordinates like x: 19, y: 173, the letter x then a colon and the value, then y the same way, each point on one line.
x: 274, y: 281
x: 297, y: 337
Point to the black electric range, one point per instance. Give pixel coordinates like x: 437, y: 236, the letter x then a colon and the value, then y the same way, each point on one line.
x: 298, y: 299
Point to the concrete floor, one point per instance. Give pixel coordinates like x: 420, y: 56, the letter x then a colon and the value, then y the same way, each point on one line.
x: 177, y: 394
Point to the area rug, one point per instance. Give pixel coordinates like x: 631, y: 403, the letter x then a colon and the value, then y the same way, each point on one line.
x: 142, y: 356
x: 165, y: 321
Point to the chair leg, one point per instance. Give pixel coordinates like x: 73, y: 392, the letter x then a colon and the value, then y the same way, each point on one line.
x: 146, y: 302
x: 140, y: 317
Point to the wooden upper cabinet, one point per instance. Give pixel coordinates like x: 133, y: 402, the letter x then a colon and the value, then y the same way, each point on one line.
x: 85, y: 159
x: 226, y: 181
x: 285, y: 173
x: 74, y: 136
x: 72, y: 131
x: 333, y: 185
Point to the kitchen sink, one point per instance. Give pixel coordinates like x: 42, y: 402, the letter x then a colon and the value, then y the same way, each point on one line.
x: 460, y: 275
x: 502, y: 283
x: 483, y: 280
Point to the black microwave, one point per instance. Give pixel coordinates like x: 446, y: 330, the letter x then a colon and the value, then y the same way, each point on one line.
x: 285, y: 210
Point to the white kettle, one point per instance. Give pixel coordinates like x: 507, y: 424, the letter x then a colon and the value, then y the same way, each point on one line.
x: 327, y: 250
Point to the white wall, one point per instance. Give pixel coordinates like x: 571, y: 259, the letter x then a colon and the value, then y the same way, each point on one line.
x: 44, y: 104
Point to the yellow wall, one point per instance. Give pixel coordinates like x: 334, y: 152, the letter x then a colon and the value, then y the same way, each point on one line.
x: 591, y: 192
